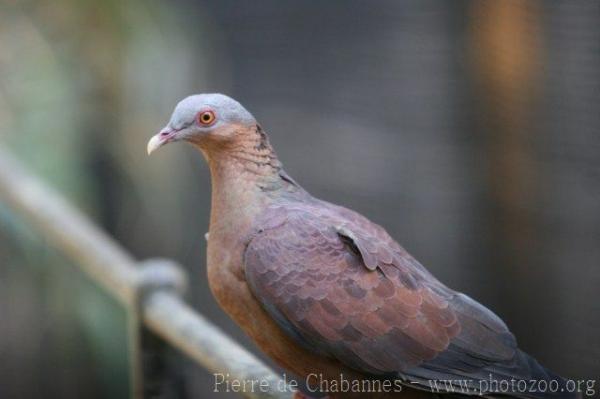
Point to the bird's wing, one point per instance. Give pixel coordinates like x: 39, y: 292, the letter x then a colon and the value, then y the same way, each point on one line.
x: 340, y: 286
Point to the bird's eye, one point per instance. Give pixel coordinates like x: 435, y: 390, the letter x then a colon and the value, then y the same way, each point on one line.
x: 206, y: 118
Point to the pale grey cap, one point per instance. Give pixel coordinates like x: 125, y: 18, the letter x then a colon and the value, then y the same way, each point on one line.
x: 226, y: 109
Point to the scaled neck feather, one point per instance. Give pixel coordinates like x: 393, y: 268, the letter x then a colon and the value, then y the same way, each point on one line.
x: 246, y: 175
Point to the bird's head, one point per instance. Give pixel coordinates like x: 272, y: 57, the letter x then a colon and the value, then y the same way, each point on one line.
x: 203, y: 119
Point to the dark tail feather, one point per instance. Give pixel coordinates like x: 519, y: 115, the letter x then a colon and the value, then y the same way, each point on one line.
x: 526, y: 378
x: 522, y: 378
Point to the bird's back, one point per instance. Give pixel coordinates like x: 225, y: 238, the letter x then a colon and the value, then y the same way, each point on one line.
x: 343, y: 288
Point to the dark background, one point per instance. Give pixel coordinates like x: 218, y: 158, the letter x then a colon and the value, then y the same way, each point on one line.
x: 470, y: 130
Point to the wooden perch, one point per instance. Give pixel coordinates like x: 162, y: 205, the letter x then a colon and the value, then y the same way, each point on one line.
x: 150, y: 291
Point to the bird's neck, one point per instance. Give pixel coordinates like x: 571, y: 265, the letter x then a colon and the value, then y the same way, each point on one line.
x: 245, y: 177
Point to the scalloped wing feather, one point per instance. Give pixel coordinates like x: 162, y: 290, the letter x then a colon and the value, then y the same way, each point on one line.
x: 340, y: 285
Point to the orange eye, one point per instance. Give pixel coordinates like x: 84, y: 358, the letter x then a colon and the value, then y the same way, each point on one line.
x: 206, y: 118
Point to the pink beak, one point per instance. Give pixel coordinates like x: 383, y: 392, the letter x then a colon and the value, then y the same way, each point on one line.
x: 163, y: 137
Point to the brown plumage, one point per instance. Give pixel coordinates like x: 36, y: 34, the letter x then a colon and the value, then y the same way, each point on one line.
x: 320, y: 288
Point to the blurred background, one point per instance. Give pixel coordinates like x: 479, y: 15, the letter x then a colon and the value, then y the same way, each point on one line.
x: 469, y: 129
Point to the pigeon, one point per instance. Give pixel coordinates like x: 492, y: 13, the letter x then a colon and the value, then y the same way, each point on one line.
x: 328, y: 294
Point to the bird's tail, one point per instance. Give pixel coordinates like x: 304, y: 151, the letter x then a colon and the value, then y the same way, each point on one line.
x: 528, y: 379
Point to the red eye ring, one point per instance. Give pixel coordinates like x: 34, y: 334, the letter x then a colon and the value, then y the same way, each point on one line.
x: 206, y: 118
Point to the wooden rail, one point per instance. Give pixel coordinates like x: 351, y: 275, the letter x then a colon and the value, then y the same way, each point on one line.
x: 150, y: 290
